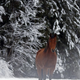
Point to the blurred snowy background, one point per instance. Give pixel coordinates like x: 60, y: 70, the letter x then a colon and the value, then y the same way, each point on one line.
x: 24, y: 29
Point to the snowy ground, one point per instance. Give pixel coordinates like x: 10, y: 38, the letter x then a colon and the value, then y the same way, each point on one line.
x: 5, y: 69
x: 6, y: 73
x: 30, y: 79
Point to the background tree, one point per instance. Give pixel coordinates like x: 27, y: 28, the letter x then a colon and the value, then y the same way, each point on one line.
x: 25, y: 27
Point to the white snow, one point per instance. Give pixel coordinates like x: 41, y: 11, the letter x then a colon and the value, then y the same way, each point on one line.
x: 2, y: 11
x: 56, y: 27
x: 29, y: 79
x: 35, y: 2
x: 5, y: 72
